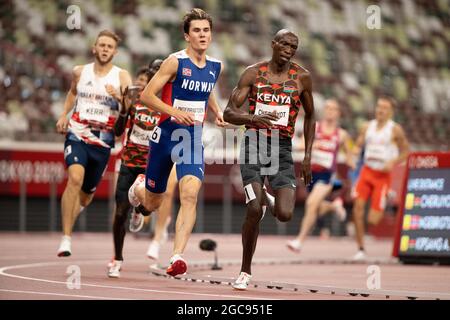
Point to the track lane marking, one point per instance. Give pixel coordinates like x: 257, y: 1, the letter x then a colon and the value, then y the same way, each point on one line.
x: 47, y: 264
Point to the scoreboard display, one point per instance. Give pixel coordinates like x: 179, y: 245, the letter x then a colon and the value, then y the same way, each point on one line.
x: 423, y: 225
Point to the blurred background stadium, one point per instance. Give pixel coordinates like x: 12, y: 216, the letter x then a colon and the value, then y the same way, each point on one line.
x: 408, y: 57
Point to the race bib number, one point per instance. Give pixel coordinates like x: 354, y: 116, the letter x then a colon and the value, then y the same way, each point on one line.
x: 156, y: 134
x: 249, y: 193
x: 94, y: 112
x: 282, y: 113
x: 322, y: 158
x: 375, y: 151
x: 140, y: 136
x: 197, y: 108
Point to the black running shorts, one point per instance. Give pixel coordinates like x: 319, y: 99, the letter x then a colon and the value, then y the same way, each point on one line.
x: 127, y: 175
x: 262, y: 156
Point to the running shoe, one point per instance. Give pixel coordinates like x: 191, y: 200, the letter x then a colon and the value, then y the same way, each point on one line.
x: 134, y: 201
x: 294, y: 245
x: 360, y: 256
x: 242, y: 281
x: 114, y: 270
x: 136, y: 221
x: 177, y: 266
x: 64, y: 249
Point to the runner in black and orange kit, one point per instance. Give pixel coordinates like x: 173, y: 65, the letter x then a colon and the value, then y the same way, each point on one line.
x: 140, y: 121
x: 276, y: 91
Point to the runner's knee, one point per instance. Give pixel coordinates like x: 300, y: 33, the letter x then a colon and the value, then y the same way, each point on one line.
x: 312, y: 203
x: 254, y: 210
x: 284, y: 215
x: 75, y: 180
x: 188, y: 197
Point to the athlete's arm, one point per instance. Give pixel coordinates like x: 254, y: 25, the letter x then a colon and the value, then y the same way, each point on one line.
x: 309, y: 125
x: 113, y: 92
x: 233, y: 112
x: 212, y: 103
x: 402, y: 143
x: 125, y: 82
x: 149, y: 96
x: 125, y: 99
x: 63, y: 121
x: 345, y: 142
x: 119, y: 126
x: 361, y: 139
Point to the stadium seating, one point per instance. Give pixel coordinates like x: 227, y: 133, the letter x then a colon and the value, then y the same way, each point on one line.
x: 408, y: 57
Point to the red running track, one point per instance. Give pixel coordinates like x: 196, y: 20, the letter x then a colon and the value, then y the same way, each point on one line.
x: 29, y: 269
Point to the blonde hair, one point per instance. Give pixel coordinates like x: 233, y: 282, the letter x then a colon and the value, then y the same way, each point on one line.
x: 109, y: 33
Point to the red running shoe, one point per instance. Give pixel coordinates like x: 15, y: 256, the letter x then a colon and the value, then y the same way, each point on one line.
x: 177, y: 266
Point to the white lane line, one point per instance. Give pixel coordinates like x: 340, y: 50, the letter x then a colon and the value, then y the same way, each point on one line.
x: 63, y: 295
x: 322, y: 289
x: 48, y: 264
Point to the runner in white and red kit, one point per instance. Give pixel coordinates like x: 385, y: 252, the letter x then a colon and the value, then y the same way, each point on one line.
x: 329, y: 138
x: 385, y: 145
x: 95, y: 93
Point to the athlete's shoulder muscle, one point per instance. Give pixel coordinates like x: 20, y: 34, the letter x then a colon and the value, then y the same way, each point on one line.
x: 77, y: 70
x: 248, y: 77
x: 398, y: 131
x: 76, y: 74
x: 168, y: 68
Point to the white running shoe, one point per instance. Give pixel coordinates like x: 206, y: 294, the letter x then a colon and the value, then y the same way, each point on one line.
x: 136, y: 221
x: 338, y: 205
x: 294, y: 245
x: 153, y: 250
x: 114, y: 270
x: 64, y: 249
x: 134, y: 201
x: 360, y: 256
x: 242, y: 281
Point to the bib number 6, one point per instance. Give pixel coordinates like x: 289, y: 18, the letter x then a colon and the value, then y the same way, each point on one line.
x: 156, y: 134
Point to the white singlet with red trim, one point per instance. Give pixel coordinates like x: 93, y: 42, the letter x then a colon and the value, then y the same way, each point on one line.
x: 379, y: 147
x: 95, y: 110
